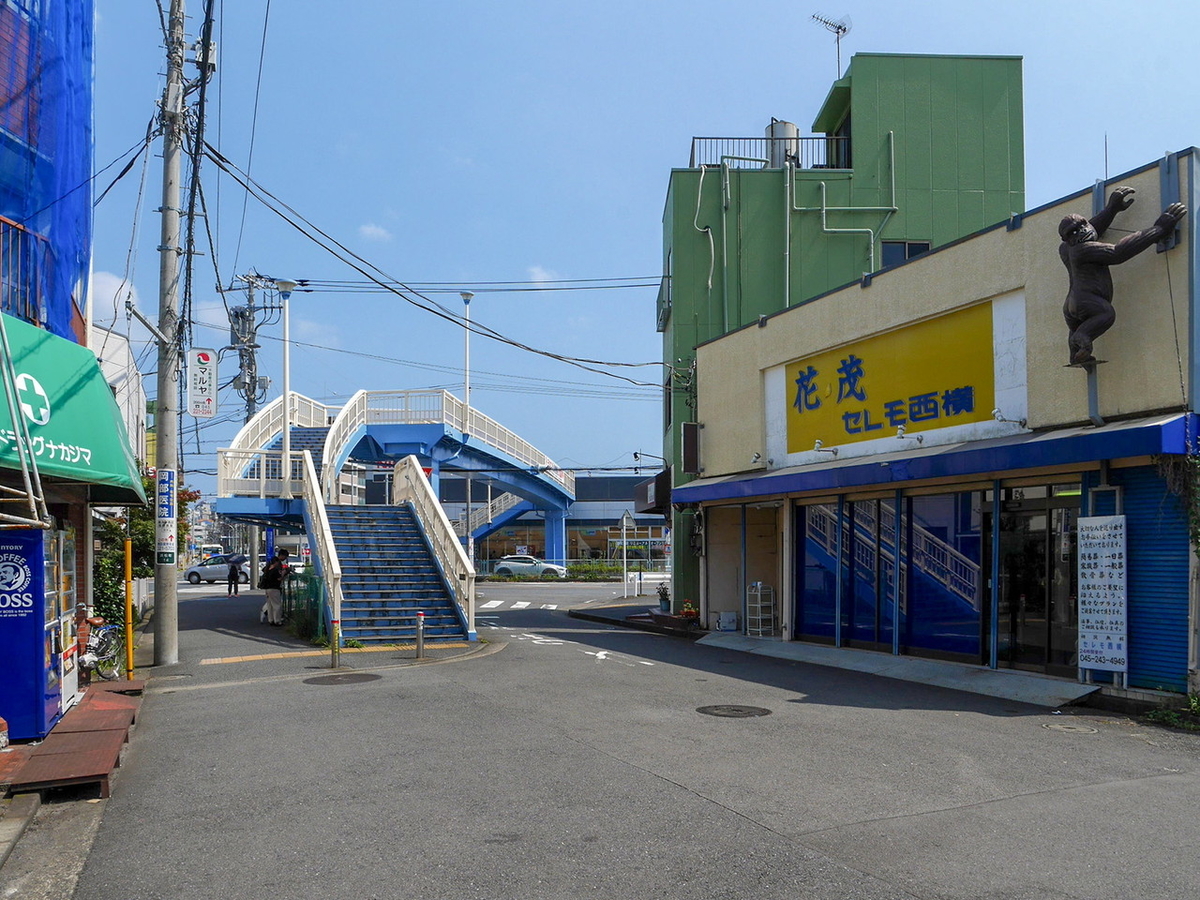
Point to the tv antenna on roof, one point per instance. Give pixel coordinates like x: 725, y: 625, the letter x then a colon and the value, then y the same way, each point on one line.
x: 838, y: 27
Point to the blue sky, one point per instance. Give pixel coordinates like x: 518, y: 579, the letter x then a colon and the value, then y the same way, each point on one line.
x: 463, y: 144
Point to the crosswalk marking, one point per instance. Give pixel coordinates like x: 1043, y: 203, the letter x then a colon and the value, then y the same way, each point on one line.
x: 491, y: 604
x: 519, y: 604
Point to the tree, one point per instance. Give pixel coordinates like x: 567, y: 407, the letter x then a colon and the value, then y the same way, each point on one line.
x: 108, y: 569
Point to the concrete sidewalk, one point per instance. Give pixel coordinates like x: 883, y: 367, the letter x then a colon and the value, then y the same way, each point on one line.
x: 225, y: 637
x: 1007, y: 684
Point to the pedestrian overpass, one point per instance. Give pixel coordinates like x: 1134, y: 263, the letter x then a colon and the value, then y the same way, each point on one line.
x: 419, y: 435
x: 379, y: 428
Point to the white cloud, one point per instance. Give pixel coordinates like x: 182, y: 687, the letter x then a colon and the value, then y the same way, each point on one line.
x: 373, y: 232
x: 540, y: 273
x: 109, y: 293
x: 314, y: 331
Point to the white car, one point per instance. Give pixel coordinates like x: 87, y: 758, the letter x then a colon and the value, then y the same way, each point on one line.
x: 215, y: 568
x: 528, y: 565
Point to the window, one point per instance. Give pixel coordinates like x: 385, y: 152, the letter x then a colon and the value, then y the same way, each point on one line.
x: 896, y: 252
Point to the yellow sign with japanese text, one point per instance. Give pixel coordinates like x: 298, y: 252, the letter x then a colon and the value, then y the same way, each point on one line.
x: 933, y: 374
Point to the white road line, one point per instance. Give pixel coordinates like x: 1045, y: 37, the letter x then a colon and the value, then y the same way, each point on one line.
x: 520, y: 604
x: 491, y: 604
x: 549, y: 606
x: 540, y: 639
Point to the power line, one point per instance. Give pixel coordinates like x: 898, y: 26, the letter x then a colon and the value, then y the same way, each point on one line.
x: 262, y: 54
x: 366, y: 289
x: 415, y: 298
x: 481, y: 285
x: 549, y: 386
x: 313, y: 285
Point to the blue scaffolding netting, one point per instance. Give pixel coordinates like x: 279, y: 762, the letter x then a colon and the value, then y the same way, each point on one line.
x: 45, y: 160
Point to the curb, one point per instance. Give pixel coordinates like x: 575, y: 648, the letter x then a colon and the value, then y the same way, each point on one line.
x: 20, y: 812
x: 623, y: 622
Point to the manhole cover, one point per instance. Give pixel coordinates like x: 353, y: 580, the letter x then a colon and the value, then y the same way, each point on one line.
x: 343, y: 678
x: 730, y: 711
x: 1071, y: 729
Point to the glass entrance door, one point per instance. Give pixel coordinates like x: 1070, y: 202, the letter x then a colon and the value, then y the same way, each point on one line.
x: 1038, y: 612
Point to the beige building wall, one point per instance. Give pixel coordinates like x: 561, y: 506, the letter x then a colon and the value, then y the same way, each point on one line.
x: 1145, y: 361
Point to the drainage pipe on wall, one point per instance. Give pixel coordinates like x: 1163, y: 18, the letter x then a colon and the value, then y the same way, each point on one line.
x: 725, y: 201
x: 824, y: 208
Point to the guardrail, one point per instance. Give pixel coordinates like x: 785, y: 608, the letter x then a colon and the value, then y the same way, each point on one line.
x: 268, y: 421
x: 257, y: 473
x: 486, y: 513
x: 409, y: 485
x: 424, y: 408
x: 321, y: 540
x: 352, y: 415
x: 808, y: 152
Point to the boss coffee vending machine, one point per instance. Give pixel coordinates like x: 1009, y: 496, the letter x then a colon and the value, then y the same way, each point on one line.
x: 39, y: 676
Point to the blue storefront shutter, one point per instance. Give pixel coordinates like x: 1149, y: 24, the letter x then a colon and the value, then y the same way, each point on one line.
x: 1158, y: 576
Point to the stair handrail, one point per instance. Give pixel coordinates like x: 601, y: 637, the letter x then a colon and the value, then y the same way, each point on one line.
x: 349, y: 419
x: 425, y: 407
x: 473, y: 422
x: 268, y: 421
x: 326, y: 550
x: 489, y: 511
x: 409, y: 485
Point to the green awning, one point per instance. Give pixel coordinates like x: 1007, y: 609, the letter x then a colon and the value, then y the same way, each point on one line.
x: 75, y: 426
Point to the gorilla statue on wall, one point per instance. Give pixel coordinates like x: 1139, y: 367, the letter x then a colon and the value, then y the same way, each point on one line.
x: 1088, y: 309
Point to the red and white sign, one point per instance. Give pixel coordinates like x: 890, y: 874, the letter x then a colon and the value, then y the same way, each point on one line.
x: 202, y: 383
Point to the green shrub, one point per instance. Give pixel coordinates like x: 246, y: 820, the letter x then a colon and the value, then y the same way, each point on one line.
x: 593, y: 568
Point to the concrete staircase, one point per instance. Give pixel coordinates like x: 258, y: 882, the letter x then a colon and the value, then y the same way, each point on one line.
x: 388, y: 576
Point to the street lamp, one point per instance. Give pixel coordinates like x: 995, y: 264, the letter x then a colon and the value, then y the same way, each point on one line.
x: 466, y: 297
x: 637, y: 457
x: 285, y: 288
x: 626, y: 523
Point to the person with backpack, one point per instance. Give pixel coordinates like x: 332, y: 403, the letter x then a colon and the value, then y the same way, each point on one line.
x: 273, y: 576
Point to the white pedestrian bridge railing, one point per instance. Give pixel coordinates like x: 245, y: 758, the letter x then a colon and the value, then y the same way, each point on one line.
x: 368, y: 408
x: 267, y: 423
x: 410, y: 486
x: 258, y: 473
x: 485, y: 513
x: 247, y: 469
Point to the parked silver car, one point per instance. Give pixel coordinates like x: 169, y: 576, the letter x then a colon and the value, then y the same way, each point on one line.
x: 216, y: 568
x: 528, y: 565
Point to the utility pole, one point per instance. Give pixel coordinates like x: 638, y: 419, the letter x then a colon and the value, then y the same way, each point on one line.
x: 243, y: 337
x: 166, y: 418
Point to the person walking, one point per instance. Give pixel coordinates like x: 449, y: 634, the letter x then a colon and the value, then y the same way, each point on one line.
x: 272, y: 582
x: 235, y: 574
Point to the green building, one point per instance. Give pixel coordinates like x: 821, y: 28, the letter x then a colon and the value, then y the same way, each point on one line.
x: 910, y: 152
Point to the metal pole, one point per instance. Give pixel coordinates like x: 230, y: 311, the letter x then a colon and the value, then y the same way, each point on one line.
x: 420, y: 635
x: 286, y: 493
x: 166, y: 574
x: 466, y: 296
x: 624, y: 559
x: 128, y: 609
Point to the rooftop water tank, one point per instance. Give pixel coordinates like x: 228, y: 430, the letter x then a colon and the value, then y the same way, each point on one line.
x: 783, y: 143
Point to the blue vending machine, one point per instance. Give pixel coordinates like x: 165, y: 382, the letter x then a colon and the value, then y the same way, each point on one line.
x: 38, y: 660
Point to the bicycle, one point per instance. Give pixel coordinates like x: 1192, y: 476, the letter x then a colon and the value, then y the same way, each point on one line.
x: 105, y: 653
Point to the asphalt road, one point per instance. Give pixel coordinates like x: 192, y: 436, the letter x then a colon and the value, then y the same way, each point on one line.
x: 573, y: 762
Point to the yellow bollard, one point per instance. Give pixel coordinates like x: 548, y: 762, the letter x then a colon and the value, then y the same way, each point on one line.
x: 128, y: 609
